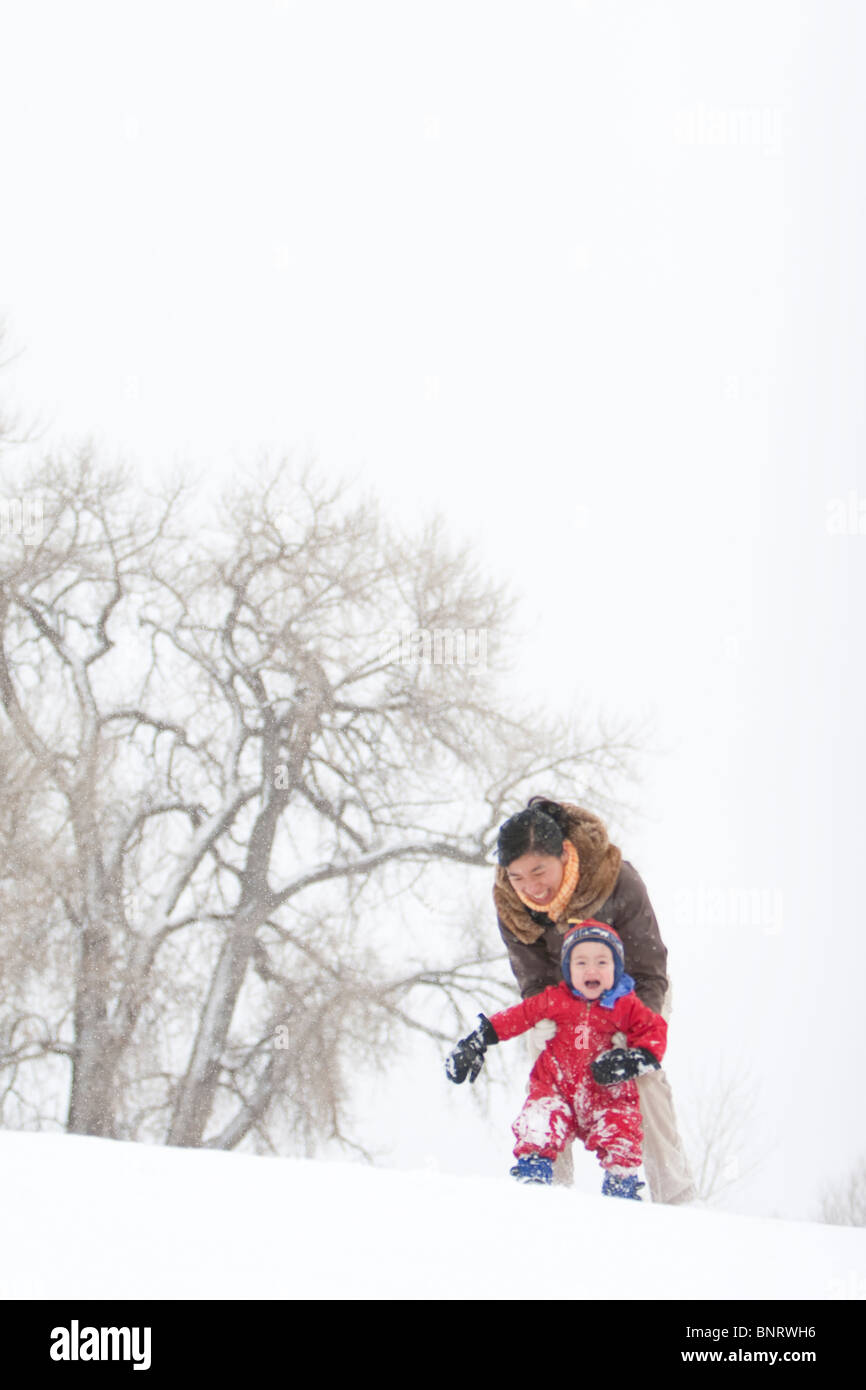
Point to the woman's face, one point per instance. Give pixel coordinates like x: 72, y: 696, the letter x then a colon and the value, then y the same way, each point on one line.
x: 537, y: 876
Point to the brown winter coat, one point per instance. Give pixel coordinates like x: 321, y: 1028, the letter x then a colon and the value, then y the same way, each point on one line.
x: 608, y: 889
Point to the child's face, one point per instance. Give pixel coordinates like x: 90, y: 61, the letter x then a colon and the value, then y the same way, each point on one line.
x: 591, y: 968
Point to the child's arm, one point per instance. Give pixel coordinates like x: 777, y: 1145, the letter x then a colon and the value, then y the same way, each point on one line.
x: 643, y: 1028
x: 521, y: 1017
x: 467, y: 1059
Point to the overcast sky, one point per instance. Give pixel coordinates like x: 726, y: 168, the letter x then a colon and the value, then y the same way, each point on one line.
x: 588, y: 279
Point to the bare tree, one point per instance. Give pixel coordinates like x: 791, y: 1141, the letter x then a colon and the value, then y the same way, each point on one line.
x: 718, y: 1124
x: 245, y: 760
x: 844, y: 1202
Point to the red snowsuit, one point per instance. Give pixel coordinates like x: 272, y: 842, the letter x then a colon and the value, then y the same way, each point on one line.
x: 564, y: 1100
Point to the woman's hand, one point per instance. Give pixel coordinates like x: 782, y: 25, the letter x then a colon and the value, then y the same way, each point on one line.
x: 543, y: 1032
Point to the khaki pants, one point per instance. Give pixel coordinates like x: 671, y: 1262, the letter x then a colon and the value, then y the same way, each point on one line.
x: 666, y: 1166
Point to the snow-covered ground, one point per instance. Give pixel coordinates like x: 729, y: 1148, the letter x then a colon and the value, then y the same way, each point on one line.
x: 95, y: 1219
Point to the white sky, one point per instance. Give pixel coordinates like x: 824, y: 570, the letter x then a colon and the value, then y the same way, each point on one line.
x: 587, y: 277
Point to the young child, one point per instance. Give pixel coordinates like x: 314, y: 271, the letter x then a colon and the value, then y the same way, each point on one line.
x: 582, y: 1086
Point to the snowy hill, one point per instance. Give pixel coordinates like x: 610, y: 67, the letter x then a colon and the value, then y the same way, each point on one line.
x: 96, y: 1219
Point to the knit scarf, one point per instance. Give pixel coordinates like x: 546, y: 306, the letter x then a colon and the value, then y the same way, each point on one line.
x: 571, y: 874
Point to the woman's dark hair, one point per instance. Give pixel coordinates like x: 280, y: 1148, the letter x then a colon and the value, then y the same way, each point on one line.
x: 541, y: 827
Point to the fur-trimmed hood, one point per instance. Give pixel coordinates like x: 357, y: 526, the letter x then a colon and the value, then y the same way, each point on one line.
x: 598, y: 863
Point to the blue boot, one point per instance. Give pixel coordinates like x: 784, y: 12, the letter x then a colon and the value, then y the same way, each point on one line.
x: 533, y: 1168
x: 622, y: 1185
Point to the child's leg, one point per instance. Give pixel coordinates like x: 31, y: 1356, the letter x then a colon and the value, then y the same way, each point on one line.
x: 613, y: 1128
x: 544, y: 1126
x: 563, y: 1167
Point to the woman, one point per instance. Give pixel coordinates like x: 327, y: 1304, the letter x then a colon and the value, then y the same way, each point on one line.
x: 556, y: 864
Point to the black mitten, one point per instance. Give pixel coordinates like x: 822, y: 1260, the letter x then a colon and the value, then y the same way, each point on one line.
x: 467, y: 1059
x: 623, y: 1064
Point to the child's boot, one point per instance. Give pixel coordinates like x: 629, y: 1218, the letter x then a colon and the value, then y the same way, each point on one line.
x: 533, y: 1168
x: 622, y: 1185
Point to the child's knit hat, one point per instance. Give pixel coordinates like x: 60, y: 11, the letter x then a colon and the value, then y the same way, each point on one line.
x: 591, y: 930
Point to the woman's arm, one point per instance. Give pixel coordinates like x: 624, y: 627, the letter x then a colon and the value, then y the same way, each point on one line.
x: 629, y: 911
x: 533, y: 966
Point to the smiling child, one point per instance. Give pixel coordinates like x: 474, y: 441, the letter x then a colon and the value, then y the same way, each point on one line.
x: 583, y: 1084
